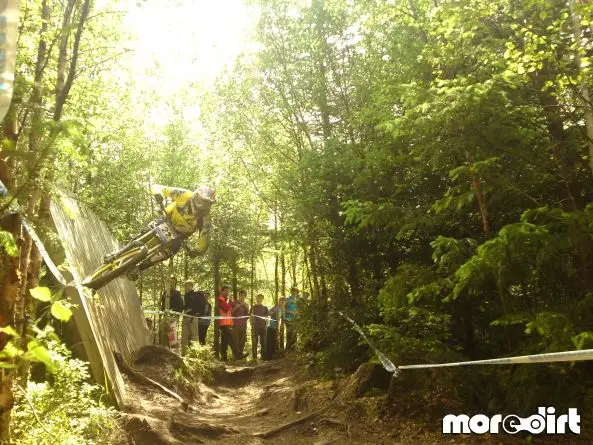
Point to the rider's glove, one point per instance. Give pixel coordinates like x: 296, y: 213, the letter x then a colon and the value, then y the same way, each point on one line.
x: 158, y: 198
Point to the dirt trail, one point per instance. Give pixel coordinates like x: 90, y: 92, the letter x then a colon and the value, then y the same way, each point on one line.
x: 244, y: 402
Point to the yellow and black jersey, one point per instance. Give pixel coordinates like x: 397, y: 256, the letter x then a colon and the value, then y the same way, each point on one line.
x: 180, y: 213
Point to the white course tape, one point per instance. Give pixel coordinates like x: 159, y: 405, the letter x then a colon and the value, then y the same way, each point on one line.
x: 567, y: 356
x: 387, y: 364
x: 215, y: 317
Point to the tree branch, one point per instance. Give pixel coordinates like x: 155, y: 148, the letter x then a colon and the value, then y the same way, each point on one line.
x: 63, y: 94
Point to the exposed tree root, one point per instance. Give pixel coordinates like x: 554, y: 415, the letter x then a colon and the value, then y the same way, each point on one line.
x: 147, y: 430
x: 330, y: 441
x: 135, y: 375
x: 333, y: 422
x: 187, y: 426
x: 287, y: 425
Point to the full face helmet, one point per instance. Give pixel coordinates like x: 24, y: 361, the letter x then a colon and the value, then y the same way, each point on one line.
x: 203, y: 198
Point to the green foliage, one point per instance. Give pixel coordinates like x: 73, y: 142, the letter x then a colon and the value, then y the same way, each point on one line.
x: 61, y: 311
x: 7, y: 243
x: 396, y: 292
x: 414, y: 335
x: 583, y: 340
x: 450, y: 253
x: 65, y: 409
x: 555, y: 330
x: 329, y: 354
x: 37, y: 340
x: 424, y: 155
x: 424, y: 166
x: 198, y: 363
x: 41, y: 293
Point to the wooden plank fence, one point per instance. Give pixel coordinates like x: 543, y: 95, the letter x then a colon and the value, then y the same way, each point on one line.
x: 111, y: 319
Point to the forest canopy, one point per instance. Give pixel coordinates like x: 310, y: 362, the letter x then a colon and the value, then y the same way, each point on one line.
x: 425, y: 167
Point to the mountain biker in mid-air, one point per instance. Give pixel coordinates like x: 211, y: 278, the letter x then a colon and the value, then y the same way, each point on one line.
x: 186, y: 212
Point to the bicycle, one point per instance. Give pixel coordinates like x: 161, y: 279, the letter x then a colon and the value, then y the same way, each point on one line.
x: 159, y: 239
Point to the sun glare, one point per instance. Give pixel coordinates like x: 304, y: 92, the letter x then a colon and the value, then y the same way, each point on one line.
x: 178, y: 43
x: 187, y: 41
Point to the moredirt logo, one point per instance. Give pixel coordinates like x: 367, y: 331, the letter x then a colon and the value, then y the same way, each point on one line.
x: 545, y: 421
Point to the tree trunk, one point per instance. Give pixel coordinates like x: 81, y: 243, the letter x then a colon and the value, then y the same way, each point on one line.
x: 283, y: 269
x: 166, y: 318
x: 217, y: 291
x: 479, y: 194
x: 354, y: 282
x: 322, y: 101
x: 8, y: 292
x: 565, y: 159
x: 276, y: 279
x: 64, y: 80
x: 234, y: 281
x: 315, y: 273
x: 307, y: 272
x: 64, y: 91
x: 34, y: 155
x: 9, y: 131
x: 293, y: 266
x: 324, y: 289
x: 252, y: 279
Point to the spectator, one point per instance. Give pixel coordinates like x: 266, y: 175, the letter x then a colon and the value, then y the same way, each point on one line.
x: 204, y: 314
x: 175, y: 299
x: 189, y: 326
x: 275, y: 314
x: 258, y: 326
x: 176, y: 305
x: 240, y: 309
x: 291, y: 311
x: 225, y: 310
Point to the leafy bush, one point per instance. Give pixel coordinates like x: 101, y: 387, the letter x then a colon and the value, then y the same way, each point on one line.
x: 414, y: 335
x: 330, y: 336
x: 198, y: 364
x: 66, y: 409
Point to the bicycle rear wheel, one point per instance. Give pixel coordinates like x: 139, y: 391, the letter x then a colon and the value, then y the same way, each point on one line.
x: 115, y: 268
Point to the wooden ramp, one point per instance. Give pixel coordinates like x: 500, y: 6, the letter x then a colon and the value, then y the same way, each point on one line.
x: 111, y: 319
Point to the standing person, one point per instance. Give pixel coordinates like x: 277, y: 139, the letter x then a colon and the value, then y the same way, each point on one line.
x: 176, y: 305
x: 258, y: 326
x: 189, y: 325
x: 276, y: 314
x: 291, y: 312
x: 240, y: 309
x: 225, y: 308
x: 175, y: 298
x: 204, y: 314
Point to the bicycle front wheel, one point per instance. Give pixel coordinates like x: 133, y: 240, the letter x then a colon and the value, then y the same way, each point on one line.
x: 115, y: 268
